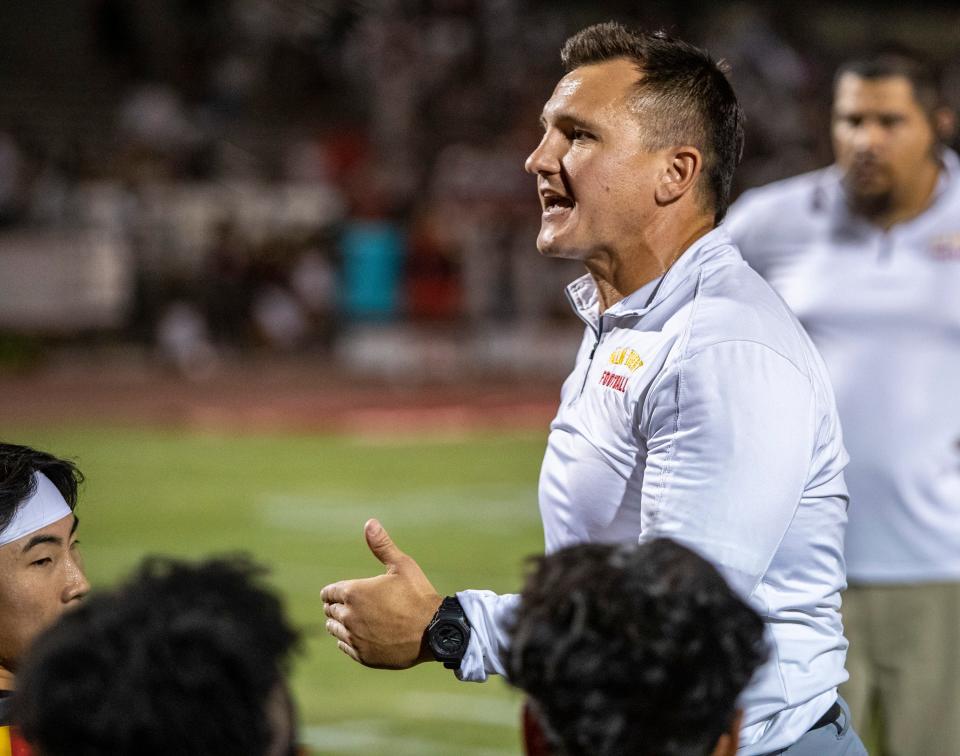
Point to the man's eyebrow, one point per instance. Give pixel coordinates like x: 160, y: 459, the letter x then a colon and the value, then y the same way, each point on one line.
x: 76, y: 522
x: 870, y: 111
x: 39, y: 539
x: 570, y: 118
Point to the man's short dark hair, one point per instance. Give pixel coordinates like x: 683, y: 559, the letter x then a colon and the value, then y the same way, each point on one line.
x: 683, y: 93
x: 181, y: 659
x: 17, y: 482
x: 633, y: 650
x: 895, y: 60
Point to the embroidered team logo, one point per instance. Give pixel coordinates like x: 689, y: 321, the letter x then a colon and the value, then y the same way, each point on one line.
x: 626, y: 356
x: 946, y: 247
x: 621, y: 356
x: 614, y: 381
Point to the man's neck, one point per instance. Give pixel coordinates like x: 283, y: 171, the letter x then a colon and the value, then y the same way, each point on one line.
x: 619, y: 275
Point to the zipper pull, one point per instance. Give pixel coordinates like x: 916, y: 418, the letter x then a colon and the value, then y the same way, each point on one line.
x: 599, y: 336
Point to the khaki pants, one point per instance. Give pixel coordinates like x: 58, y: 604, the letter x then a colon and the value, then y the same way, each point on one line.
x: 904, y: 665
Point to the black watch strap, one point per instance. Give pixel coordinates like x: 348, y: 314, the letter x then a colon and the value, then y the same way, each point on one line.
x: 450, y: 606
x: 448, y: 633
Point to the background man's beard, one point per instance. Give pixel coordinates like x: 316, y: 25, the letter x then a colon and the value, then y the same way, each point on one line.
x: 870, y: 204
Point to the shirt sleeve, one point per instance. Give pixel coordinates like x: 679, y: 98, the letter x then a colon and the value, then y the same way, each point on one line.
x: 490, y: 616
x: 729, y: 441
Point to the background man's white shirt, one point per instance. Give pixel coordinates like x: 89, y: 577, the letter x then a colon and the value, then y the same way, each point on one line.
x: 884, y: 311
x: 699, y: 410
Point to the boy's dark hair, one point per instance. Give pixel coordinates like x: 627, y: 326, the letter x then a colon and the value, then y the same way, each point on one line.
x: 633, y: 650
x: 895, y: 60
x: 683, y: 94
x: 180, y: 659
x: 17, y: 482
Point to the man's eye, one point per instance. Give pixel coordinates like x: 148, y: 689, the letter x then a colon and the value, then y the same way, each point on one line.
x: 849, y: 120
x: 580, y: 135
x: 41, y: 562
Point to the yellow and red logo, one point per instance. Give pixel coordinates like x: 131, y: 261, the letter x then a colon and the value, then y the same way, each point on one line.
x: 946, y: 247
x: 627, y: 357
x: 621, y: 356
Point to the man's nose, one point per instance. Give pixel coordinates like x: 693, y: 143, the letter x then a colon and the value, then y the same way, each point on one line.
x: 77, y: 586
x: 869, y: 137
x: 544, y: 159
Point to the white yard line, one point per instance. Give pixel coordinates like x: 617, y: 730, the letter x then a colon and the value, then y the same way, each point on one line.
x: 483, y: 507
x: 376, y: 736
x: 373, y: 738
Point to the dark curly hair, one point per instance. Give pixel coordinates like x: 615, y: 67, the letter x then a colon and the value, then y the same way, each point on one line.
x: 683, y: 93
x: 181, y: 659
x: 633, y: 650
x: 17, y: 482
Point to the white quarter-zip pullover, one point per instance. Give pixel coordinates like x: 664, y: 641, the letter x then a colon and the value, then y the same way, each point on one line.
x: 698, y: 409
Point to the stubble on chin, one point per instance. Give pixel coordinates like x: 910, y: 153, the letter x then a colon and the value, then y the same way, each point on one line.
x: 547, y: 247
x: 870, y: 204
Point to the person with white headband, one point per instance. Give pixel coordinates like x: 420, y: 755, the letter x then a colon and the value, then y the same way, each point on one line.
x: 41, y: 573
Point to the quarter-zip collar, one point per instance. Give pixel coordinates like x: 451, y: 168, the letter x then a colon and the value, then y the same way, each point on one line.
x: 585, y: 299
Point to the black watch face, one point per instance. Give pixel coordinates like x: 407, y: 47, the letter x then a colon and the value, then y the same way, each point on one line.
x: 447, y: 639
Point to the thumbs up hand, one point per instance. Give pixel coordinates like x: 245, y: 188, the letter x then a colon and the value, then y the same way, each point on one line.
x: 380, y: 621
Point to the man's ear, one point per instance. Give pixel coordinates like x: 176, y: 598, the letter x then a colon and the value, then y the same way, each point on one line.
x: 728, y: 742
x: 945, y: 124
x: 681, y: 168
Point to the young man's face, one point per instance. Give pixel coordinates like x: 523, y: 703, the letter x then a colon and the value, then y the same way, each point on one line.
x: 881, y: 136
x: 41, y: 575
x: 595, y: 178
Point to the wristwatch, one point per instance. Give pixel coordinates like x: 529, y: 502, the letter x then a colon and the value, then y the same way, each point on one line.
x: 449, y: 633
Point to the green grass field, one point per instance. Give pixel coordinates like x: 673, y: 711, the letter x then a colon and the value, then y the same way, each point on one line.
x: 464, y: 507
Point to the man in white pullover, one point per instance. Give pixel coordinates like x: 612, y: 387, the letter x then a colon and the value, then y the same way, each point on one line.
x: 867, y: 254
x: 697, y: 409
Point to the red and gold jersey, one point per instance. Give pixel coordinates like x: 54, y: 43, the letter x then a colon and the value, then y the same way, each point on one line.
x: 11, y: 744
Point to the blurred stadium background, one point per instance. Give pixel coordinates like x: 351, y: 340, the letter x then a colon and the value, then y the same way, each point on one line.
x: 267, y: 269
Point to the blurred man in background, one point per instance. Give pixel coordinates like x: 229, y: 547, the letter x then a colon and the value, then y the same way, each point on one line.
x: 182, y: 659
x: 867, y: 253
x: 41, y: 573
x: 634, y: 650
x: 697, y: 409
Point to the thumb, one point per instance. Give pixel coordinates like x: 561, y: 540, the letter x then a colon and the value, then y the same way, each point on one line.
x: 382, y: 545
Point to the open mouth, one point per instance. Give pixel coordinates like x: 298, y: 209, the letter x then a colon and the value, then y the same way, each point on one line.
x: 556, y: 204
x: 867, y: 169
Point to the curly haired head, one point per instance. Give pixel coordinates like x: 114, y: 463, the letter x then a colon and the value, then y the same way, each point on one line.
x: 633, y: 650
x: 182, y: 658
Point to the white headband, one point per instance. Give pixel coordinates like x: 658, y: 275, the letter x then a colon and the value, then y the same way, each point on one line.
x: 43, y: 508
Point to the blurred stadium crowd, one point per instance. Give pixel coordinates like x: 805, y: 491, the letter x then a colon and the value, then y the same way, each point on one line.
x: 215, y: 175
